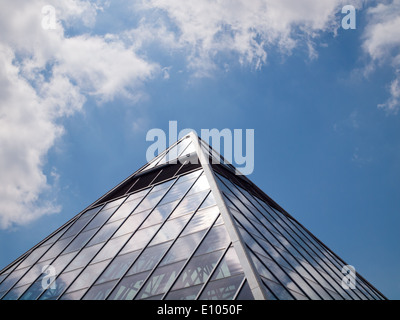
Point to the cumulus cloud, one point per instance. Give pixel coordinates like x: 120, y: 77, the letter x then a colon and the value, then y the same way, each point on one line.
x: 247, y: 29
x: 45, y: 76
x: 382, y: 44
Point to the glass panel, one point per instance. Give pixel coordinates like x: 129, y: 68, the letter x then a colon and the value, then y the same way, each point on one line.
x: 210, y: 201
x: 15, y: 293
x: 111, y: 248
x: 223, y: 289
x: 140, y: 239
x: 160, y: 213
x: 229, y: 266
x: 177, y: 191
x: 192, y: 175
x: 33, y: 257
x: 269, y: 294
x: 34, y: 291
x: 201, y: 220
x: 62, y: 282
x: 216, y: 239
x: 92, y: 212
x: 77, y: 295
x: 170, y: 229
x: 189, y: 293
x: 62, y: 261
x: 189, y: 204
x: 76, y: 227
x: 137, y: 195
x: 280, y: 292
x: 100, y: 219
x: 128, y: 287
x: 33, y: 273
x: 56, y: 236
x: 245, y: 293
x: 80, y: 241
x: 56, y: 249
x: 149, y: 258
x: 175, y: 152
x: 200, y: 185
x: 83, y: 258
x: 132, y: 223
x: 105, y: 232
x: 114, y: 203
x: 198, y: 270
x: 161, y: 279
x: 100, y: 292
x: 125, y: 209
x: 151, y: 200
x: 183, y: 247
x: 88, y: 276
x: 118, y: 267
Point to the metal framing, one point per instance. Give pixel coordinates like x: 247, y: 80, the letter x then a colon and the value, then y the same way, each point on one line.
x: 249, y: 269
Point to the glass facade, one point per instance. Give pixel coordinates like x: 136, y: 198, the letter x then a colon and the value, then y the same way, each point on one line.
x: 165, y: 237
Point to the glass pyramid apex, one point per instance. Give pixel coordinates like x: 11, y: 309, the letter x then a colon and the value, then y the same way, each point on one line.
x: 189, y: 229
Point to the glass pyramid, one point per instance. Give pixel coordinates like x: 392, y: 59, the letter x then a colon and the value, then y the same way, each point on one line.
x: 184, y: 226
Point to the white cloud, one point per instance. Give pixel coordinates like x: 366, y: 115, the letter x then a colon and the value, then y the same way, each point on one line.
x: 44, y: 77
x: 382, y: 44
x: 246, y: 28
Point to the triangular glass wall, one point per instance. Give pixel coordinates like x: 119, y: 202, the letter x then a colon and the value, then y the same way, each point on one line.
x: 186, y: 229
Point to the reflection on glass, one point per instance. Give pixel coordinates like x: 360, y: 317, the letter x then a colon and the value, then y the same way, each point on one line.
x: 105, y: 232
x: 88, y: 276
x: 223, y: 289
x: 229, y: 266
x: 34, y: 290
x: 80, y: 241
x: 177, y: 190
x: 128, y: 287
x: 118, y: 267
x: 83, y: 258
x: 170, y: 229
x: 140, y: 239
x: 111, y: 248
x: 151, y: 200
x: 189, y: 293
x: 125, y: 209
x: 160, y: 280
x: 62, y: 282
x: 132, y: 223
x: 33, y: 257
x: 15, y: 293
x: 160, y: 213
x: 100, y: 219
x: 245, y: 293
x: 216, y: 239
x: 183, y: 247
x: 189, y: 203
x: 198, y: 270
x: 114, y: 203
x: 149, y: 258
x: 99, y: 292
x: 200, y: 185
x: 210, y: 201
x: 76, y: 227
x: 55, y: 250
x: 201, y: 220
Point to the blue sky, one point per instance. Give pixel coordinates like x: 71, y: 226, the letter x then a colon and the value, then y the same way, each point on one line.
x: 77, y: 102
